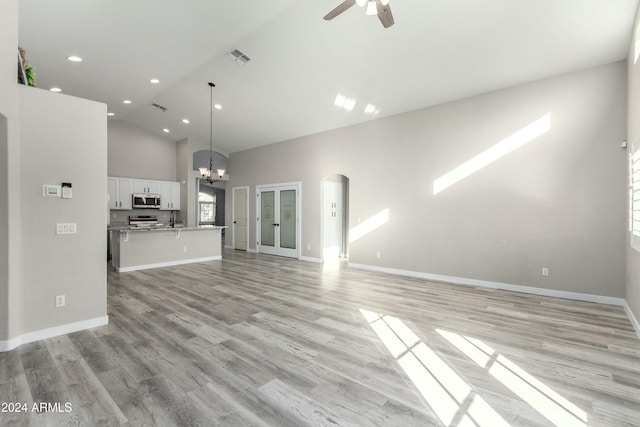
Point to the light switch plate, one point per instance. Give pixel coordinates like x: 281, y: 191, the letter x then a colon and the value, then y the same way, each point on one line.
x: 66, y: 228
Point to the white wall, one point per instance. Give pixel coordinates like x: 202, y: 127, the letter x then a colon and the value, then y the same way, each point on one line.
x: 556, y: 202
x: 137, y: 153
x: 62, y: 139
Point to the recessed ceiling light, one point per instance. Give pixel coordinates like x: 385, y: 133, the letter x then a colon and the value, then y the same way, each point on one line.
x: 154, y: 81
x: 111, y: 114
x: 126, y: 101
x: 165, y: 130
x: 185, y: 121
x: 74, y: 58
x: 218, y: 107
x: 55, y: 89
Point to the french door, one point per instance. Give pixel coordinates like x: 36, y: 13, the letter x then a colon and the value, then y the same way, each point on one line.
x: 278, y: 222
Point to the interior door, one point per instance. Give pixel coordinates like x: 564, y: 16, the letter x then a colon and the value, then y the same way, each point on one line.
x: 333, y: 220
x: 278, y: 221
x: 240, y: 213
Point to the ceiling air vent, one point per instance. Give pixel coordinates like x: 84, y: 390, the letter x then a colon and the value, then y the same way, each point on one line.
x: 239, y: 56
x: 159, y: 107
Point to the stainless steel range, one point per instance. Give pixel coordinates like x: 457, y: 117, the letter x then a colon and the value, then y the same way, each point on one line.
x: 143, y: 221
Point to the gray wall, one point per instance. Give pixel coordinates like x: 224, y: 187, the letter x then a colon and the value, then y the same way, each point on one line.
x: 62, y: 139
x: 632, y: 289
x: 556, y: 202
x: 10, y: 245
x: 137, y: 153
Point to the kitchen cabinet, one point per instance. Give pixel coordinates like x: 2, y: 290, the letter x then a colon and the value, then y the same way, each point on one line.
x: 146, y: 186
x: 120, y: 191
x: 169, y: 196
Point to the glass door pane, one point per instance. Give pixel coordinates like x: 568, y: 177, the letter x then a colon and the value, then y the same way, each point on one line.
x: 288, y: 219
x: 267, y: 223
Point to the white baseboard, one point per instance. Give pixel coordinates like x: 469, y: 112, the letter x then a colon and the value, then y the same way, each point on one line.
x: 632, y: 318
x: 252, y: 251
x: 53, y: 332
x: 495, y: 285
x: 311, y: 259
x: 228, y: 247
x: 167, y: 264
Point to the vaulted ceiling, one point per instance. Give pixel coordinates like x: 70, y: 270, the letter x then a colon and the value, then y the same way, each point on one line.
x: 437, y: 51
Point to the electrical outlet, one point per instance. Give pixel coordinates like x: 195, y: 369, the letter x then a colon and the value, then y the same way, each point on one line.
x: 545, y: 271
x: 308, y: 247
x: 378, y: 255
x: 60, y: 300
x: 185, y: 249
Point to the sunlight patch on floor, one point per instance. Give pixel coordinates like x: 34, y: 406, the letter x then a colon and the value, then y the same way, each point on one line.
x: 449, y: 396
x: 543, y: 399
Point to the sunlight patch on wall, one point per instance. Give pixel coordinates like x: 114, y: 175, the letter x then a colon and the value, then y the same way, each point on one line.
x: 636, y: 48
x: 543, y: 399
x: 499, y: 150
x: 369, y: 225
x: 451, y: 398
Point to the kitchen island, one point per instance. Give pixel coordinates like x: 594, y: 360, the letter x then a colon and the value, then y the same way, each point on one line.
x: 142, y: 248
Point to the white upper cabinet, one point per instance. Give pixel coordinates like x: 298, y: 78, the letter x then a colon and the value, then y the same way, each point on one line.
x: 146, y: 186
x: 169, y: 196
x: 120, y: 191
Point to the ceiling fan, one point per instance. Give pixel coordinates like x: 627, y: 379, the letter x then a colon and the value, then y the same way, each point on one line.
x: 374, y: 7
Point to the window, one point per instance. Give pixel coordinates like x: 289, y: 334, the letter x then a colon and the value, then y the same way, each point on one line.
x: 206, y: 208
x: 634, y: 195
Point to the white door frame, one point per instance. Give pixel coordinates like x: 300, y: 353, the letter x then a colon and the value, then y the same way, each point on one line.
x: 272, y: 187
x: 233, y: 216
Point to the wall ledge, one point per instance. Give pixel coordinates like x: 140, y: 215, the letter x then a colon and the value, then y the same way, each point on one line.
x: 496, y: 285
x: 53, y: 332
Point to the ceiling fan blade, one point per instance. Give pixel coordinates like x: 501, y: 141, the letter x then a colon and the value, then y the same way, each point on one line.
x: 346, y: 4
x: 384, y: 14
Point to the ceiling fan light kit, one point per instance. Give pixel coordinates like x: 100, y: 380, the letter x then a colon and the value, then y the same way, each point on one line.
x: 374, y: 7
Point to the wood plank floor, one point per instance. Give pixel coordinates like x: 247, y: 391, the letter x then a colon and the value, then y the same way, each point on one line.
x: 266, y: 341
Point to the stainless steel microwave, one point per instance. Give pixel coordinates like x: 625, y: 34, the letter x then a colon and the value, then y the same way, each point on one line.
x: 146, y: 201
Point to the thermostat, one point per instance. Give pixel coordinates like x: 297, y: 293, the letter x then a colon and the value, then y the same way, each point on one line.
x: 52, y: 190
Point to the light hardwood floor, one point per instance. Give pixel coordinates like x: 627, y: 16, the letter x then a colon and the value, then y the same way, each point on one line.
x: 267, y: 341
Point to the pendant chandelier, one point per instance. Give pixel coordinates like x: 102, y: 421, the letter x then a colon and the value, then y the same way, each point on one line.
x: 207, y: 173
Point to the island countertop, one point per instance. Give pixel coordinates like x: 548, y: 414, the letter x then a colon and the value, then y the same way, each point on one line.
x: 126, y: 228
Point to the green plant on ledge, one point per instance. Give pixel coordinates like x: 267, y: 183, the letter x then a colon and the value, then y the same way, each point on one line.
x: 27, y: 68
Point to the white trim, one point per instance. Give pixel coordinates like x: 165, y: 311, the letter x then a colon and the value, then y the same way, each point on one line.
x: 495, y: 285
x: 233, y: 215
x: 632, y: 318
x: 311, y: 259
x: 252, y: 251
x: 228, y: 247
x: 167, y: 264
x: 53, y: 332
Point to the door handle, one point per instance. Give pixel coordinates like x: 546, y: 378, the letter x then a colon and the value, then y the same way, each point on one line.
x: 235, y: 222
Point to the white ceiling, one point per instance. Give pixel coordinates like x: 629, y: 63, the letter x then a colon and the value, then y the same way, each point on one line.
x: 437, y: 51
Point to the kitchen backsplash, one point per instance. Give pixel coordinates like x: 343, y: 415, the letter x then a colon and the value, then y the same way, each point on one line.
x: 122, y: 217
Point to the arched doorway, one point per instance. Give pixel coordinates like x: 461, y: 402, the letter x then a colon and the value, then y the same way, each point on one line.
x: 335, y: 217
